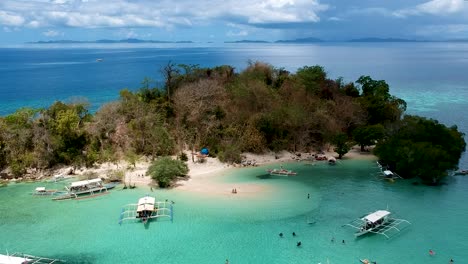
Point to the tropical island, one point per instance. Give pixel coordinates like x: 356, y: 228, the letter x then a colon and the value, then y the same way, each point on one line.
x: 261, y: 109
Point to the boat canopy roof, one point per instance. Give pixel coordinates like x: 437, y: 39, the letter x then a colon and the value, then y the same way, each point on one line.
x: 40, y: 189
x: 146, y: 204
x: 387, y: 173
x: 84, y: 183
x: 375, y: 216
x: 12, y: 259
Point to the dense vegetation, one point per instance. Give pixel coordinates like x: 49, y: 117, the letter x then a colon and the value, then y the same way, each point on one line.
x: 261, y: 108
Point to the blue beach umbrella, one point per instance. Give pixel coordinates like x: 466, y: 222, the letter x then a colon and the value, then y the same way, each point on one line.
x: 204, y: 151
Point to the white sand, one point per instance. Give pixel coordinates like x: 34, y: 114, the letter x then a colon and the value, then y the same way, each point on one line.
x: 201, y: 175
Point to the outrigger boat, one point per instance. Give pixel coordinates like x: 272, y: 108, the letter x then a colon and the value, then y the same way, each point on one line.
x: 43, y: 191
x: 281, y: 172
x: 92, y: 188
x: 390, y: 176
x: 366, y: 261
x: 147, y: 208
x: 378, y: 222
x: 19, y: 258
x: 387, y: 174
x: 60, y: 177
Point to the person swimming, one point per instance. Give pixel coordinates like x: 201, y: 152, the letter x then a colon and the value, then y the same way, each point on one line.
x: 294, y: 233
x: 281, y: 234
x: 299, y: 243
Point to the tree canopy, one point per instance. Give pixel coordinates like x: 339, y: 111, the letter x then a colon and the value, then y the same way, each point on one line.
x: 423, y: 148
x: 165, y: 170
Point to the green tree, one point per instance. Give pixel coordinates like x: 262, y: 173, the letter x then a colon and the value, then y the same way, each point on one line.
x: 341, y: 143
x: 368, y: 135
x: 165, y: 170
x: 422, y: 148
x: 312, y: 77
x: 381, y: 106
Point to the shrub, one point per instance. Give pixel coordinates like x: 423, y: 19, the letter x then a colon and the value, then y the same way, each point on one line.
x: 165, y: 170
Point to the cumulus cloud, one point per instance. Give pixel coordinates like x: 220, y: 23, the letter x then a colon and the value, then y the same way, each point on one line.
x: 11, y: 19
x: 433, y: 7
x: 52, y: 33
x: 150, y: 13
x: 241, y: 33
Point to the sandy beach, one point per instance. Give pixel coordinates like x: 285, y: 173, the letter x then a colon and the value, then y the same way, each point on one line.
x: 201, y: 176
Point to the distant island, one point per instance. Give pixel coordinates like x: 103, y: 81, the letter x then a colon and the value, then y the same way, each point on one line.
x: 287, y: 41
x: 106, y: 41
x: 385, y: 40
x: 248, y: 41
x: 301, y: 40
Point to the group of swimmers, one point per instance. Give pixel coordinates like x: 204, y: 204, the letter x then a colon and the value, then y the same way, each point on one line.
x: 298, y: 244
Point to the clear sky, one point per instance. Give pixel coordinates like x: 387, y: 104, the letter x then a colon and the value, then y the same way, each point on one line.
x: 228, y: 20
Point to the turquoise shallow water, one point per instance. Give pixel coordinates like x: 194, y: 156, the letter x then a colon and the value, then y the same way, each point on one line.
x: 245, y: 230
x: 431, y: 77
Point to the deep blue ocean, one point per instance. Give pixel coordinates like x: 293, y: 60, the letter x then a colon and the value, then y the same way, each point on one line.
x: 431, y: 77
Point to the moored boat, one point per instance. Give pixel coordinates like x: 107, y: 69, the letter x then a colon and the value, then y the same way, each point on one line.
x: 281, y: 172
x: 20, y: 258
x: 461, y: 172
x: 147, y: 208
x: 378, y: 222
x: 92, y: 187
x: 43, y: 191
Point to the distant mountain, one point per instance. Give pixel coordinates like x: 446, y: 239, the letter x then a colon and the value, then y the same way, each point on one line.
x: 384, y: 40
x: 301, y: 40
x: 106, y: 41
x: 247, y: 41
x: 457, y: 40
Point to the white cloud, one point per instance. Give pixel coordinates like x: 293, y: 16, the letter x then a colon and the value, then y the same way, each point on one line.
x: 335, y: 19
x: 10, y: 29
x: 434, y: 7
x: 52, y: 33
x: 241, y: 33
x: 11, y: 19
x: 150, y: 13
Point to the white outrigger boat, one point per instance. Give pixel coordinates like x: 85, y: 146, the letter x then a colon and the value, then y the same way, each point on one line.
x: 19, y: 258
x: 378, y: 222
x: 92, y: 188
x: 281, y: 172
x: 60, y: 177
x: 147, y: 208
x: 42, y: 191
